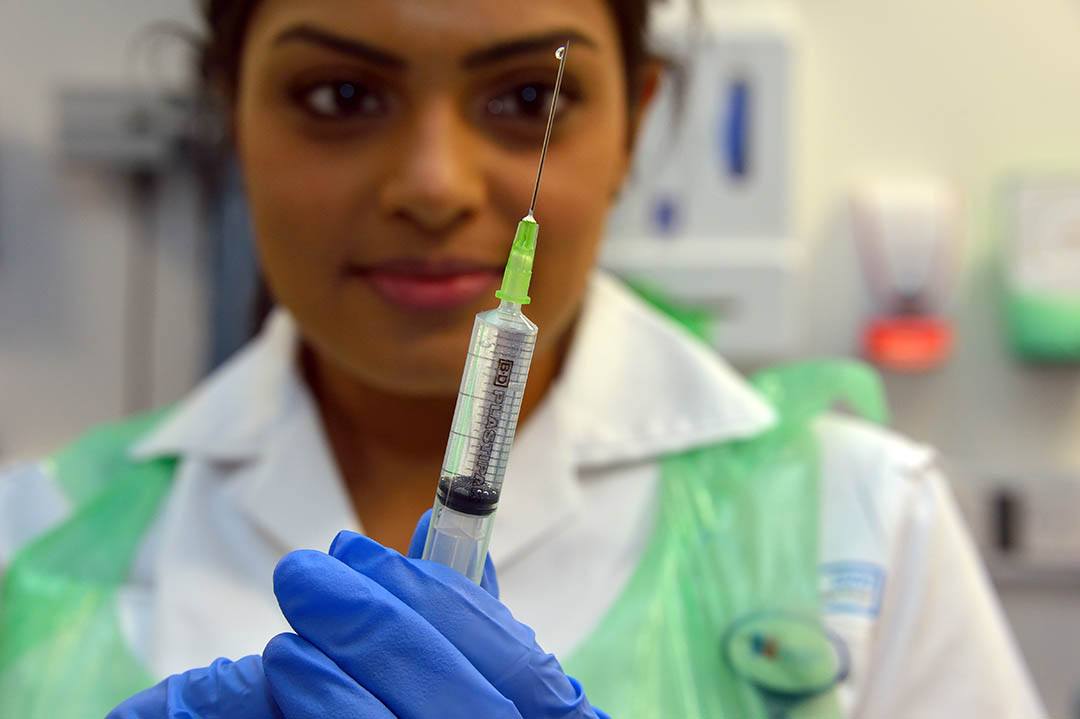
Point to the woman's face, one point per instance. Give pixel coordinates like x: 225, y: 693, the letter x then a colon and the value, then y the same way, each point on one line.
x: 390, y: 148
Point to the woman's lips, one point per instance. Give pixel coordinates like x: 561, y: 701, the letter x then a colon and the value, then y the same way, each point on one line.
x: 428, y: 285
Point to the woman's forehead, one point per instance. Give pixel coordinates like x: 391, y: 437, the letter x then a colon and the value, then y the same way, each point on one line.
x: 445, y: 29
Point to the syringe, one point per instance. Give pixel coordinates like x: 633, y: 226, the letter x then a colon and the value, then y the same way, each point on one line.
x: 492, y: 386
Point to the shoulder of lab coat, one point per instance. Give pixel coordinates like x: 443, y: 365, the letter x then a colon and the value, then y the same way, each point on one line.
x: 934, y: 642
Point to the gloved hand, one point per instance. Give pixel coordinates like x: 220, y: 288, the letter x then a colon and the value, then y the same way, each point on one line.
x: 384, y: 637
x: 415, y: 636
x: 239, y: 690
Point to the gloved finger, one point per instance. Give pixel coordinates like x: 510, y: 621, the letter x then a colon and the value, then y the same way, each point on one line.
x: 224, y: 690
x: 488, y: 581
x: 307, y: 685
x: 419, y: 536
x: 382, y: 644
x: 483, y: 630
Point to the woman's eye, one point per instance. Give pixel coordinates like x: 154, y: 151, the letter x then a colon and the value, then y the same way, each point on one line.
x: 530, y: 101
x: 342, y: 100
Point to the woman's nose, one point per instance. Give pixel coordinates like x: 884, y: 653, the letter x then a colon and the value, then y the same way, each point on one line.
x: 435, y: 182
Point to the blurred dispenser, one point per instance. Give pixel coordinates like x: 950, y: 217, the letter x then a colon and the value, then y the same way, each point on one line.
x: 907, y: 234
x: 706, y: 216
x: 1042, y: 268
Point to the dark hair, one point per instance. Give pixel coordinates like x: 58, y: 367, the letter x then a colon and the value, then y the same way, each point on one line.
x: 227, y: 23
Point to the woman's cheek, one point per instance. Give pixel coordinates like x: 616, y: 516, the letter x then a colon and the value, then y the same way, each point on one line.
x: 300, y: 199
x: 298, y: 178
x: 295, y: 239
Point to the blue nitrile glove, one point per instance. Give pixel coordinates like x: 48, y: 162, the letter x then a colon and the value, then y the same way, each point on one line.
x: 238, y: 690
x: 418, y: 636
x: 389, y: 645
x: 224, y: 690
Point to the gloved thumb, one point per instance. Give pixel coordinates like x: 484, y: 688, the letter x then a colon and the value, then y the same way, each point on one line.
x: 488, y: 582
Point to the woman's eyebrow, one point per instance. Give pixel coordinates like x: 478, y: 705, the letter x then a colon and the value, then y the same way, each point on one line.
x: 312, y: 35
x: 548, y: 41
x: 348, y: 46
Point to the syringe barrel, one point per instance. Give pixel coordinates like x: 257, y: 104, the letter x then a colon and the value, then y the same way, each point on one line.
x: 481, y: 435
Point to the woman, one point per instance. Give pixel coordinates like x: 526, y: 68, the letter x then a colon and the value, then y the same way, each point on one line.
x: 388, y: 149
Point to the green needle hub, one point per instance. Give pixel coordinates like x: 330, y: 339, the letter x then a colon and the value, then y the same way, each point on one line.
x: 518, y: 273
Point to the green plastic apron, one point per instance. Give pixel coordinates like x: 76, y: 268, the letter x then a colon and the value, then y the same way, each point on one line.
x: 62, y: 653
x: 720, y: 618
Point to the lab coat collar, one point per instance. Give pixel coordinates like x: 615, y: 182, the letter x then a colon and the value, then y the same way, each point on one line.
x: 637, y: 386
x: 230, y: 415
x: 255, y: 425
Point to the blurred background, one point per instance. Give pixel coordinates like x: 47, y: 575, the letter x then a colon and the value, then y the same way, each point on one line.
x: 898, y: 181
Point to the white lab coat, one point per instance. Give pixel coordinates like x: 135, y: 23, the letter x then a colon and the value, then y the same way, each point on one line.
x: 901, y: 582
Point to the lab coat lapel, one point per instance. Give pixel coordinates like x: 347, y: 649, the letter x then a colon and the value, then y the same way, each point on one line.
x: 637, y: 387
x: 213, y: 574
x: 294, y: 493
x: 228, y: 527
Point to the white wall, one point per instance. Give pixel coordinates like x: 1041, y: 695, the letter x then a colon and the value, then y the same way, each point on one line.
x: 972, y: 91
x: 66, y: 233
